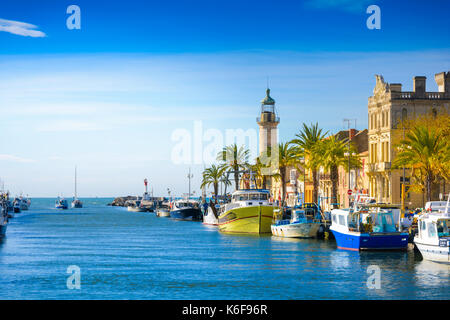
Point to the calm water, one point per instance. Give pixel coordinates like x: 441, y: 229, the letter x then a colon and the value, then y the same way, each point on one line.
x: 124, y: 255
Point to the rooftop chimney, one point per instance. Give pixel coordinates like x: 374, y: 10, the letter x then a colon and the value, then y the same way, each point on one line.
x: 396, y: 87
x: 420, y: 85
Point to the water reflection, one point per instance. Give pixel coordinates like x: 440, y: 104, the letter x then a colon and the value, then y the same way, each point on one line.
x: 432, y: 274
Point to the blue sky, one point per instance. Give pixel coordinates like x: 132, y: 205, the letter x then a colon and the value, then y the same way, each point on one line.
x: 109, y: 97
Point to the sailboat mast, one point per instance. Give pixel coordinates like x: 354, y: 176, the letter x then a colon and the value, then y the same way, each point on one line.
x: 75, y: 182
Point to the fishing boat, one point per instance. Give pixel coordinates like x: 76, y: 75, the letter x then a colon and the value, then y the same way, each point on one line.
x: 136, y: 206
x: 210, y: 215
x: 24, y: 203
x: 303, y: 224
x: 3, y: 218
x: 163, y: 211
x: 248, y: 212
x: 16, y: 205
x: 61, y: 203
x: 433, y: 237
x: 186, y: 209
x: 367, y: 226
x: 76, y: 203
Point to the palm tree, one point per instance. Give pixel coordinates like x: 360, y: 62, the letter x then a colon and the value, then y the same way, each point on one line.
x: 286, y: 157
x: 426, y: 152
x: 261, y: 179
x: 235, y: 158
x: 334, y: 154
x: 306, y: 147
x: 213, y: 175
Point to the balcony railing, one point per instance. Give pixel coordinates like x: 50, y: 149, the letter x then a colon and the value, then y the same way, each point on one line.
x: 414, y: 95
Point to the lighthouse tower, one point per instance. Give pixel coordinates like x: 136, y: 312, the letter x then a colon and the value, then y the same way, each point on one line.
x: 267, y: 122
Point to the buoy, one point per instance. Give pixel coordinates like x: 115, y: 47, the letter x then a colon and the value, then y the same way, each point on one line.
x: 326, y: 235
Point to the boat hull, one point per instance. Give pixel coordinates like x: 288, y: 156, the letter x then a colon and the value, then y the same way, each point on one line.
x: 434, y: 253
x: 3, y: 230
x: 296, y: 230
x: 77, y: 205
x: 162, y: 213
x: 61, y: 207
x: 136, y: 209
x: 190, y: 214
x: 210, y: 219
x: 371, y: 241
x: 250, y: 219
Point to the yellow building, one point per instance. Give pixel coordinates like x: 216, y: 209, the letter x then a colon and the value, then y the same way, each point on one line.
x: 388, y: 106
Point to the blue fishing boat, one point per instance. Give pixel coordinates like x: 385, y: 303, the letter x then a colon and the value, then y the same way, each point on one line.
x: 368, y: 227
x: 61, y: 203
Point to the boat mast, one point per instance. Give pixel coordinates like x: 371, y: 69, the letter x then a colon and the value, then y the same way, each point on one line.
x: 190, y: 176
x: 75, y: 182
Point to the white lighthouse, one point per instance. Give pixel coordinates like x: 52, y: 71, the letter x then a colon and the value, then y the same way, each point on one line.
x: 268, y: 123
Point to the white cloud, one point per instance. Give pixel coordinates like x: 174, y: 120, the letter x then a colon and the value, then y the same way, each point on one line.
x: 10, y: 157
x: 20, y: 28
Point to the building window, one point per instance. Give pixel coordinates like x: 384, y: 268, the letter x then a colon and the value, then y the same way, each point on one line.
x: 404, y: 114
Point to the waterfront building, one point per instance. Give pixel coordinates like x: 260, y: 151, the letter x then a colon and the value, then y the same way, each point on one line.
x: 359, y: 182
x: 387, y: 108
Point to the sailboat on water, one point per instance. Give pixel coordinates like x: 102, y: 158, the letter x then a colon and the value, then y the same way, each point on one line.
x: 76, y: 203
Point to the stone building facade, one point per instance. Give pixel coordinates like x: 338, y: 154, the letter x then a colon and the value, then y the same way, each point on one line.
x: 387, y: 108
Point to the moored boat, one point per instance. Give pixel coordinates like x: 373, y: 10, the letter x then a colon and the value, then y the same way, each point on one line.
x: 76, y: 203
x: 24, y: 203
x: 136, y: 207
x: 61, y: 203
x: 248, y: 212
x: 433, y: 237
x: 3, y: 217
x: 187, y: 209
x: 367, y: 227
x: 210, y: 216
x: 303, y: 224
x: 16, y: 205
x: 163, y: 211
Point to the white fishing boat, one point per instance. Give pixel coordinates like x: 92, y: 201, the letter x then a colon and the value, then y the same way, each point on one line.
x: 136, y: 206
x: 211, y: 215
x: 303, y: 224
x: 433, y: 237
x: 76, y: 203
x: 24, y: 203
x: 163, y: 211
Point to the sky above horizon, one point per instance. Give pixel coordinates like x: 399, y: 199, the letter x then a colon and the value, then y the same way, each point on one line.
x: 111, y: 97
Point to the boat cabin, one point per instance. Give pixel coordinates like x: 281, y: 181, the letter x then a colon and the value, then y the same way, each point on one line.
x: 381, y: 221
